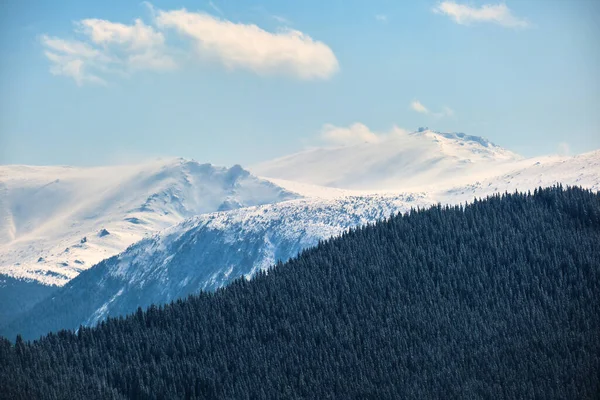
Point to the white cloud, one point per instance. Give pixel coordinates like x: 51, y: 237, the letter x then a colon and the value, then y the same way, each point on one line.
x: 417, y: 106
x: 134, y: 36
x: 355, y: 134
x: 109, y: 48
x: 73, y: 59
x: 140, y: 46
x: 381, y: 17
x: 238, y: 45
x: 70, y: 47
x: 495, y: 13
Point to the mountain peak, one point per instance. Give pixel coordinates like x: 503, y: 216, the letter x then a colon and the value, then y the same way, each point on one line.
x: 459, y: 136
x: 399, y: 161
x: 48, y: 207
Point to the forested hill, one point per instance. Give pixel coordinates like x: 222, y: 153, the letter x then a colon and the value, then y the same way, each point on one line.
x: 497, y: 299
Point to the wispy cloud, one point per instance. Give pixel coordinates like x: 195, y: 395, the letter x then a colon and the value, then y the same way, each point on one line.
x: 417, y: 106
x: 446, y: 112
x: 140, y: 45
x: 281, y: 20
x: 355, y: 134
x: 74, y: 59
x: 381, y: 18
x: 493, y: 13
x: 214, y: 7
x: 238, y: 45
x: 105, y: 47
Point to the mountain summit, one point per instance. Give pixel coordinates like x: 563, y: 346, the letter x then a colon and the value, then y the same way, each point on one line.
x: 401, y: 161
x: 58, y: 221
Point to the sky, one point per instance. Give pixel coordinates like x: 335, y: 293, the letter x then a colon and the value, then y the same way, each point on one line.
x: 93, y: 83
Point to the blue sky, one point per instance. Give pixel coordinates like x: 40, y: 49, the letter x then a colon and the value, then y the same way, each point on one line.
x: 84, y: 84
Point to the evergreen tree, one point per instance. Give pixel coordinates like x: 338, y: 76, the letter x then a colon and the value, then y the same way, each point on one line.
x: 495, y: 299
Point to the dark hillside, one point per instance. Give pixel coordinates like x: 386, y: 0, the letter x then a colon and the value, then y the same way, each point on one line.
x: 19, y: 296
x: 498, y: 299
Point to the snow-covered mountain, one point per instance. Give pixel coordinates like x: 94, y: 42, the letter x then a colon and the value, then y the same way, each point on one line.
x: 208, y: 251
x: 580, y: 170
x: 402, y: 161
x: 58, y: 221
x: 202, y: 253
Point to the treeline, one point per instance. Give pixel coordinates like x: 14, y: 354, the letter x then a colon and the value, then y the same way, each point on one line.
x: 496, y: 299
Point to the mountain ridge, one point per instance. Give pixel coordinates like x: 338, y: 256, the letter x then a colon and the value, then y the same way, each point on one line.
x: 204, y: 252
x: 208, y: 251
x: 61, y: 220
x: 400, y: 161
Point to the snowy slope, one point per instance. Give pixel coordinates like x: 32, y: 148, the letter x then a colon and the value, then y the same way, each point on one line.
x: 208, y: 251
x: 581, y: 170
x: 49, y: 210
x: 58, y: 221
x: 54, y: 220
x: 204, y: 252
x: 403, y: 161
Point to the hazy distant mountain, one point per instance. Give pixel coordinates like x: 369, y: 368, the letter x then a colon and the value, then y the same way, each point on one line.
x: 401, y: 161
x: 58, y: 221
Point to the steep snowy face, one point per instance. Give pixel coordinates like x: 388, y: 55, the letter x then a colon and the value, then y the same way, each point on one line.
x: 213, y: 248
x: 402, y: 161
x: 57, y: 221
x: 202, y: 253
